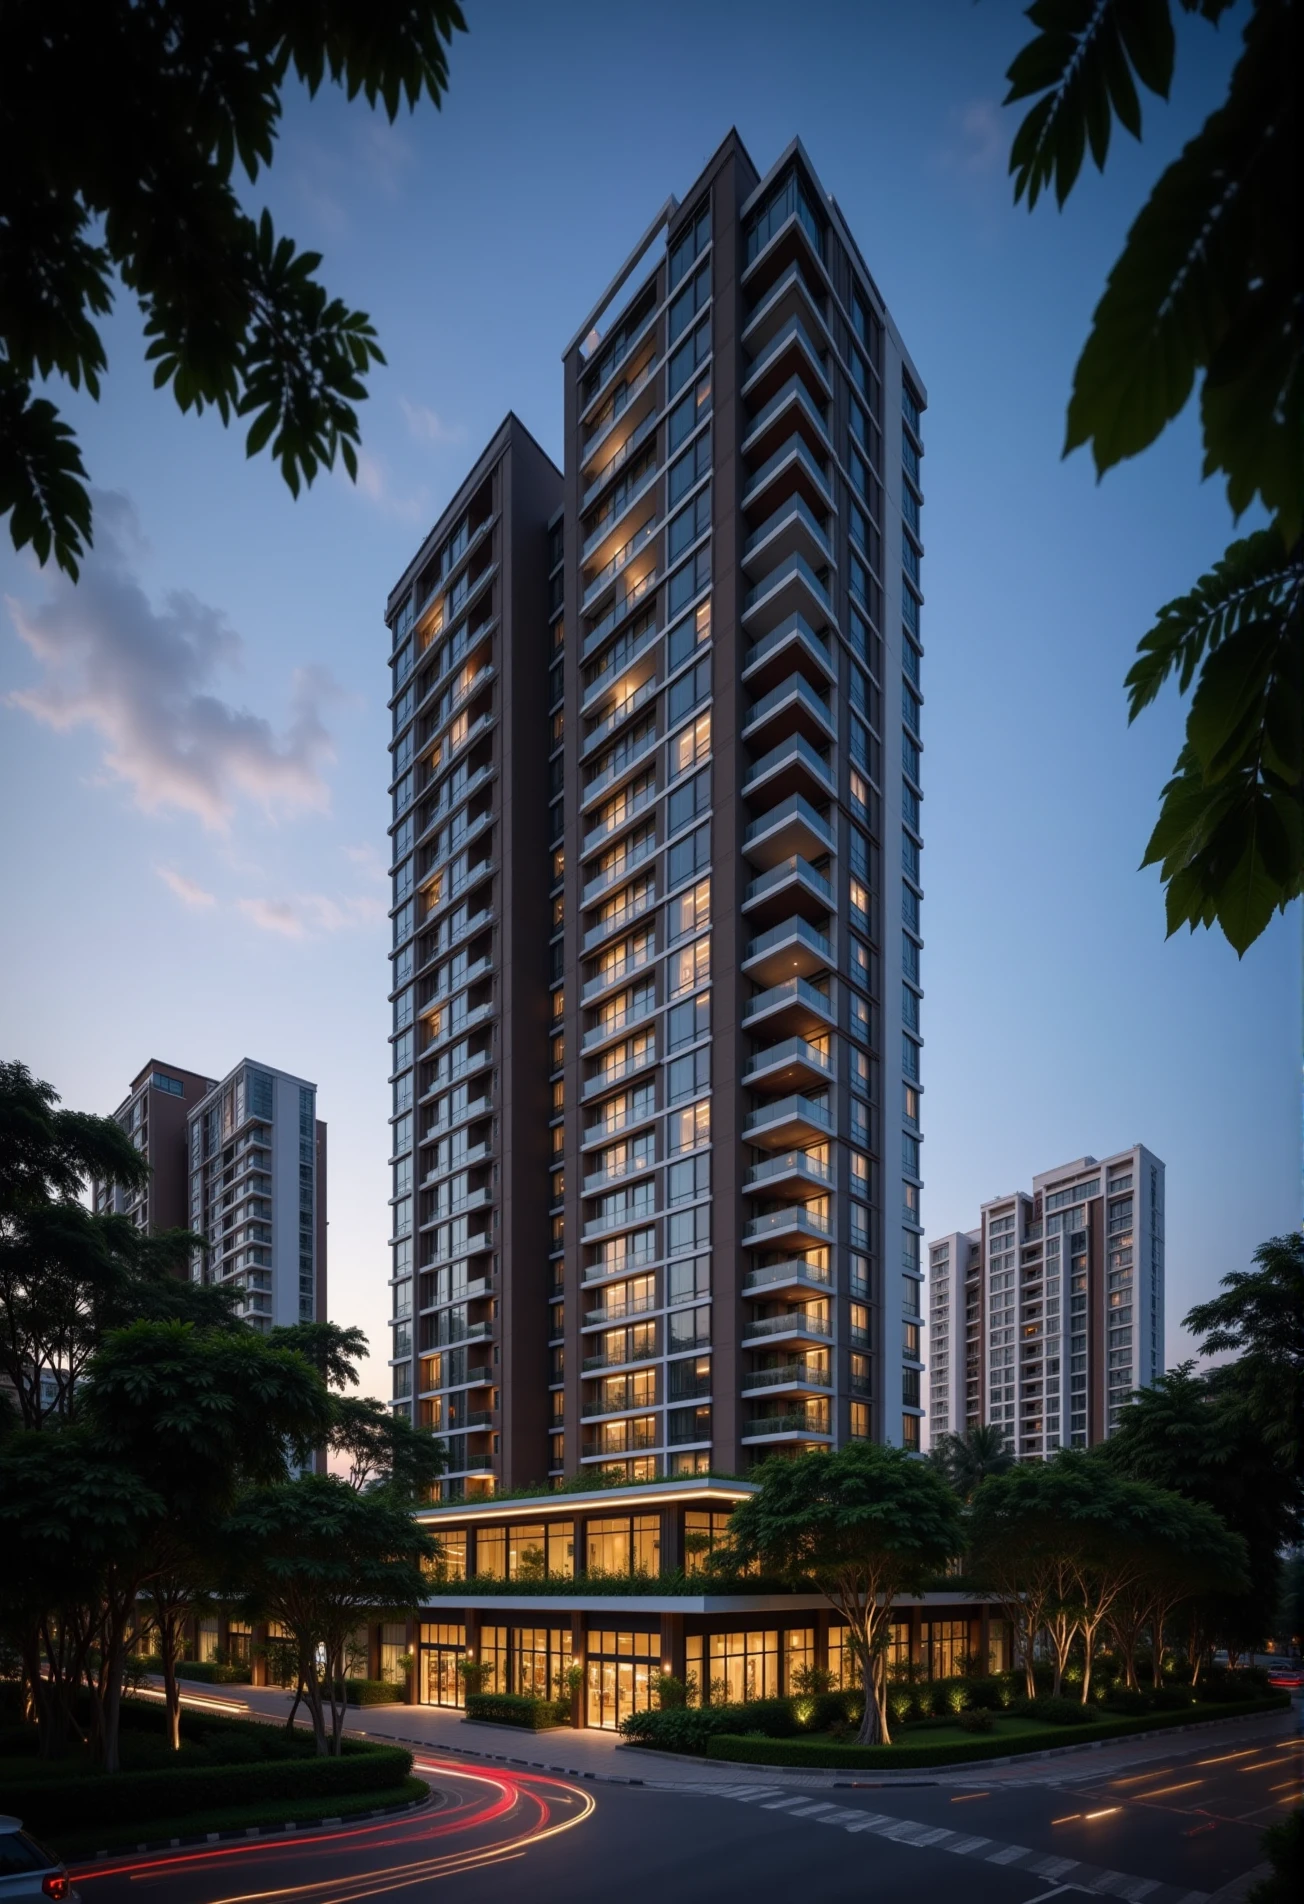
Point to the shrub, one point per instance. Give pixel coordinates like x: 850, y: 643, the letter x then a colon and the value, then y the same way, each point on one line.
x: 688, y: 1728
x: 977, y: 1719
x: 986, y: 1695
x: 1123, y: 1699
x: 94, y: 1799
x: 1284, y: 1844
x: 1172, y: 1698
x: 372, y: 1692
x: 213, y: 1672
x: 517, y: 1709
x: 1054, y: 1711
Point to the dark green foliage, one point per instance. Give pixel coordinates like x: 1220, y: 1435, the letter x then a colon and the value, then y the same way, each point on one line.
x: 92, y: 1799
x: 122, y: 126
x: 689, y: 1728
x: 1260, y: 1315
x: 1284, y: 1844
x: 976, y: 1719
x: 1210, y: 284
x: 333, y: 1350
x: 967, y: 1459
x: 210, y: 1672
x: 517, y: 1709
x: 371, y: 1692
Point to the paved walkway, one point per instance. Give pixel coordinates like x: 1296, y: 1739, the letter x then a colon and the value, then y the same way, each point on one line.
x: 601, y: 1755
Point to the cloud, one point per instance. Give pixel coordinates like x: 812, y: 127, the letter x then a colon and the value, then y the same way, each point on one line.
x: 429, y: 427
x: 186, y: 890
x: 374, y: 483
x: 978, y: 145
x: 312, y: 914
x: 368, y: 859
x: 143, y: 677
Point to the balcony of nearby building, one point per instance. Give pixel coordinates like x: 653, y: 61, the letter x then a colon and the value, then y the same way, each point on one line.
x: 792, y: 1064
x: 794, y: 1007
x: 793, y: 1275
x: 793, y: 766
x: 795, y: 1377
x: 792, y: 706
x: 788, y: 1123
x: 794, y: 886
x: 793, y: 1425
x: 794, y: 647
x: 791, y: 827
x: 792, y: 1227
x: 791, y: 949
x: 798, y: 1172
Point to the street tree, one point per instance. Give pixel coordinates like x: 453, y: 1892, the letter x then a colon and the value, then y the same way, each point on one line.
x: 321, y: 1558
x: 384, y: 1449
x: 864, y: 1524
x: 124, y: 129
x: 1259, y: 1317
x: 195, y: 1416
x: 1209, y: 285
x: 67, y: 1275
x: 967, y: 1459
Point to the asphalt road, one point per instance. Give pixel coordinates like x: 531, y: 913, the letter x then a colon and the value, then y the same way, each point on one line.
x: 1180, y: 1829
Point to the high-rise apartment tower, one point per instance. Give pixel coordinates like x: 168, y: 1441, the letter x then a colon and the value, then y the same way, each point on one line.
x: 258, y: 1194
x: 1046, y: 1318
x: 718, y: 849
x: 153, y: 1114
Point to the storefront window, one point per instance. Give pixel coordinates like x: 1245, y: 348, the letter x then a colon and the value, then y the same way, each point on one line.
x: 703, y: 1533
x: 798, y: 1652
x: 440, y: 1683
x: 450, y: 1562
x: 946, y: 1648
x: 742, y: 1666
x: 630, y: 1544
x: 540, y: 1658
x: 493, y: 1654
x: 207, y: 1639
x: 491, y: 1552
x: 393, y: 1646
x: 527, y: 1557
x: 561, y: 1550
x: 620, y: 1669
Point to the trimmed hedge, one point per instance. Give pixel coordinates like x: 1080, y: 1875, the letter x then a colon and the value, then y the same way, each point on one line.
x: 374, y: 1692
x: 207, y: 1672
x: 517, y: 1709
x: 691, y: 1728
x: 812, y: 1751
x: 99, y: 1798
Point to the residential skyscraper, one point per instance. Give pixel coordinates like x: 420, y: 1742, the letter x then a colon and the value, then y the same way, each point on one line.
x: 1046, y: 1318
x: 153, y: 1114
x: 469, y: 990
x: 257, y: 1193
x: 726, y: 637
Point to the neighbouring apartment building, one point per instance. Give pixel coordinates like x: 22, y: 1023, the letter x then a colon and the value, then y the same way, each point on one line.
x: 1044, y: 1319
x: 153, y: 1114
x: 656, y: 781
x: 257, y: 1194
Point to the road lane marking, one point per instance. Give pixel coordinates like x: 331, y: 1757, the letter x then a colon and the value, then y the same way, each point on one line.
x: 1162, y: 1791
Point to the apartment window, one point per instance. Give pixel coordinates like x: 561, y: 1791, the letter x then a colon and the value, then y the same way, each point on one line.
x: 686, y: 1076
x: 910, y: 407
x: 859, y: 1422
x: 690, y: 469
x: 685, y: 360
x: 689, y: 968
x: 688, y: 1022
x: 689, y: 412
x: 688, y: 636
x: 689, y: 855
x: 691, y: 241
x: 688, y: 525
x: 688, y: 1329
x: 690, y: 911
x: 692, y: 745
x: 859, y: 896
x: 684, y: 307
x: 689, y: 580
x: 687, y: 1181
x: 687, y: 1129
x: 687, y: 801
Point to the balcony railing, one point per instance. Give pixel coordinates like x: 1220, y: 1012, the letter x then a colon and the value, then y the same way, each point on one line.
x: 612, y: 1359
x: 794, y: 625
x: 621, y: 712
x: 794, y: 867
x: 796, y: 687
x: 630, y: 811
x: 789, y: 1051
x: 787, y: 1110
x: 625, y: 605
x: 793, y: 391
x: 635, y: 747
x: 792, y: 506
x: 803, y: 1374
x: 619, y: 1312
x: 757, y: 1426
x: 622, y: 499
x: 795, y: 748
x: 786, y: 1164
x: 620, y: 655
x: 641, y: 903
x: 618, y: 973
x: 791, y: 565
x: 795, y: 1268
x: 623, y: 556
x: 627, y: 449
x: 796, y: 1217
x: 796, y: 806
x: 790, y: 929
x: 790, y: 992
x: 621, y: 870
x: 794, y: 446
x: 619, y: 404
x: 778, y: 343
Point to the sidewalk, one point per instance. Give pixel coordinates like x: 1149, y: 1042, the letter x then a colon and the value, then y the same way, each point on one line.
x: 601, y: 1755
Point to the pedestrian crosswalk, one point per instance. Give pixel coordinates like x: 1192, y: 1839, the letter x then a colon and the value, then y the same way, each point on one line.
x: 1063, y: 1874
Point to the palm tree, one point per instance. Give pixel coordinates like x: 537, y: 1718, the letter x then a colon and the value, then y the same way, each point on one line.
x: 967, y: 1459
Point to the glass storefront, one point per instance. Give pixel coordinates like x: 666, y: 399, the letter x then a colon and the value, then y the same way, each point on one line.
x: 620, y: 1670
x: 440, y: 1683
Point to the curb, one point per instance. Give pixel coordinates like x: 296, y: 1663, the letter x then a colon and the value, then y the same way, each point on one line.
x: 241, y: 1833
x: 886, y: 1779
x: 532, y: 1765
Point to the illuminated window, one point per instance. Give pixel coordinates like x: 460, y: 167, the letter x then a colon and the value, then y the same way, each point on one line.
x: 691, y: 745
x: 860, y: 1421
x: 690, y: 968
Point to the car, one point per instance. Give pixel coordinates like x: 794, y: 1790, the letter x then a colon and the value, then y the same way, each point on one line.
x: 1288, y: 1678
x: 28, y: 1870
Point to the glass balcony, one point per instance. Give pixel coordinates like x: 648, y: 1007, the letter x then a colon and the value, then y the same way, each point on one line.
x: 790, y: 1164
x: 792, y: 707
x: 790, y: 1375
x: 793, y: 998
x: 620, y: 400
x: 792, y: 1061
x: 794, y: 759
x: 792, y: 331
x: 792, y: 949
x: 619, y: 1311
x: 629, y: 752
x: 795, y: 1221
x: 787, y: 870
x: 795, y: 1271
x: 613, y: 876
x: 793, y: 572
x: 793, y: 825
x: 625, y: 605
x: 629, y: 448
x: 606, y: 829
x: 595, y: 584
x: 621, y: 500
x: 795, y: 1117
x: 641, y: 695
x: 618, y: 1360
x: 794, y: 395
x: 796, y: 641
x: 615, y: 1027
x: 795, y: 1323
x: 793, y: 528
x: 790, y: 1426
x: 639, y: 905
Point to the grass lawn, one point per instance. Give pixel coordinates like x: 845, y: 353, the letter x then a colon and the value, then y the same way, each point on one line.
x: 81, y: 1844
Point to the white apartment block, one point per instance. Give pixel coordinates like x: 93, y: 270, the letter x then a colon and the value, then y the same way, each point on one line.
x: 1045, y: 1318
x: 257, y: 1153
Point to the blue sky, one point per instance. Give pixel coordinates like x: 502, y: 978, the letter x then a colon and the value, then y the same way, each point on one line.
x: 192, y: 746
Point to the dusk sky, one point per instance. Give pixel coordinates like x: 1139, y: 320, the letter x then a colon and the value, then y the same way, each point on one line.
x: 192, y: 741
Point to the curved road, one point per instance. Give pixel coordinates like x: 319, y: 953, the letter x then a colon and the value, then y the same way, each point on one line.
x: 477, y: 1819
